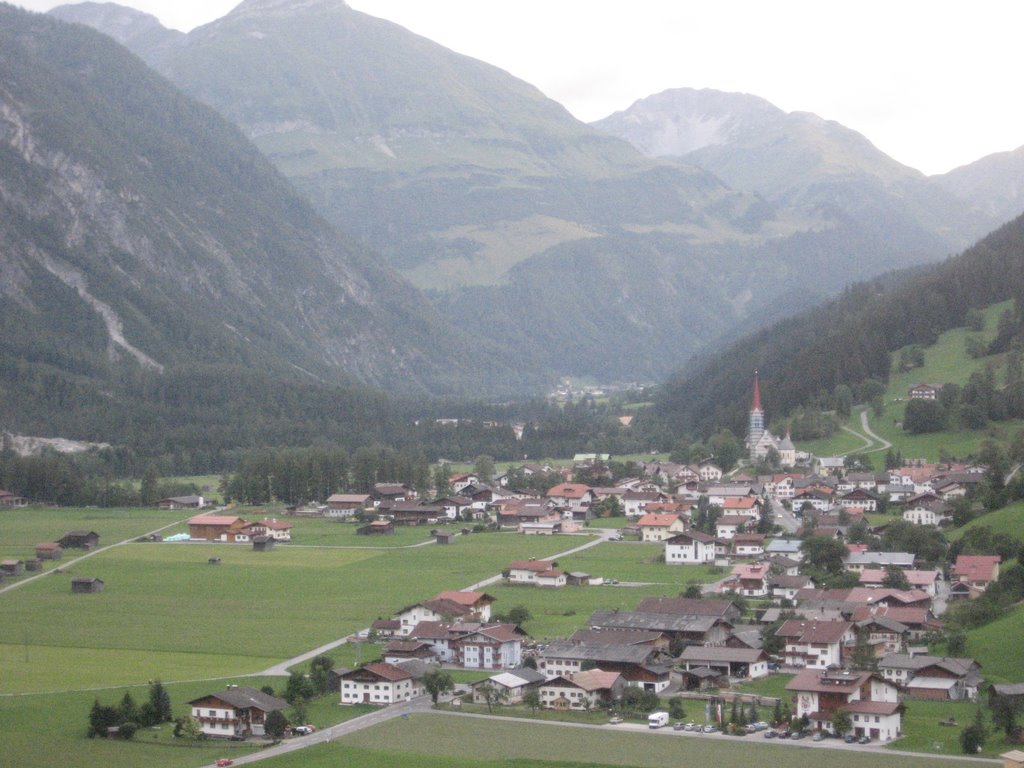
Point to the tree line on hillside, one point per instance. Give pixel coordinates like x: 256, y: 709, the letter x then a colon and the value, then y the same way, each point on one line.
x: 847, y: 341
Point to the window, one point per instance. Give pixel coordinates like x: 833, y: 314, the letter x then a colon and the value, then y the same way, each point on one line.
x: 213, y: 712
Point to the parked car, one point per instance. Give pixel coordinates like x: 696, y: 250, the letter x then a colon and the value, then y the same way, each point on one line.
x: 614, y: 720
x: 710, y: 729
x: 818, y: 736
x: 761, y: 725
x: 225, y: 761
x: 771, y: 733
x: 798, y: 735
x: 849, y: 738
x: 303, y: 730
x: 784, y: 734
x: 864, y: 740
x: 691, y: 726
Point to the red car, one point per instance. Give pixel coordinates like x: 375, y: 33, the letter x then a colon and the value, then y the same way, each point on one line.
x: 224, y: 761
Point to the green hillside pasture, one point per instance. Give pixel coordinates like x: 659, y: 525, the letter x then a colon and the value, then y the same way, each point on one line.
x: 998, y: 649
x: 1008, y: 521
x: 636, y: 562
x: 166, y: 599
x: 463, y: 738
x: 839, y: 443
x: 327, y: 532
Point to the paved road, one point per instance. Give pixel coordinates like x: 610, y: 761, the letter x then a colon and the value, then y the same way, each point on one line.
x: 884, y: 444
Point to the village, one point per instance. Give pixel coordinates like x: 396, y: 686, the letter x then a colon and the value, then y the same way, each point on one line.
x: 799, y: 596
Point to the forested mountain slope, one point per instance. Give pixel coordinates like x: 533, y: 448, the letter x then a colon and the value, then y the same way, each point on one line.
x: 849, y: 339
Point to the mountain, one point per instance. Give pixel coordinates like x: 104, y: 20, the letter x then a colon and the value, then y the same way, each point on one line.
x: 795, y: 159
x: 993, y: 185
x: 141, y: 230
x: 804, y: 359
x: 536, y: 233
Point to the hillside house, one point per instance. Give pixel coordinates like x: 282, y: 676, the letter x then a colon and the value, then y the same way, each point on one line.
x: 634, y: 503
x: 815, y: 644
x: 235, y: 711
x: 933, y: 513
x: 976, y: 572
x: 925, y: 392
x: 936, y: 678
x: 727, y: 526
x: 573, y: 496
x: 749, y: 580
x: 510, y: 685
x: 377, y: 528
x: 447, y: 607
x: 748, y: 545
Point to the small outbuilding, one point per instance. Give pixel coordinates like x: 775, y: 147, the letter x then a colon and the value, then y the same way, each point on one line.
x: 86, y: 585
x: 377, y: 528
x: 49, y: 550
x: 80, y: 540
x: 12, y: 567
x: 445, y: 537
x: 262, y: 543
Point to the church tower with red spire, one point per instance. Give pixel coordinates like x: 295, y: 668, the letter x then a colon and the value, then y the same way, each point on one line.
x: 758, y: 438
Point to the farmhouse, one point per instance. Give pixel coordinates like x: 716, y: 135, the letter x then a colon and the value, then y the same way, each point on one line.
x: 222, y: 528
x: 976, y: 571
x: 581, y: 691
x: 815, y: 644
x: 278, y: 530
x: 932, y: 677
x: 642, y: 666
x: 575, y: 496
x: 447, y: 606
x: 235, y: 711
x: 526, y: 571
x: 872, y: 703
x: 690, y: 547
x: 347, y: 504
x: 510, y: 685
x: 382, y: 683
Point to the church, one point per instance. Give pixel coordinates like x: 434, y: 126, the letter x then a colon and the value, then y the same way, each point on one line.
x: 760, y: 440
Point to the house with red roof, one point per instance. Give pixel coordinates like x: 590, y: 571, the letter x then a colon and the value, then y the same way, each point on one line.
x: 224, y: 528
x: 871, y: 702
x: 656, y: 527
x: 575, y: 496
x: 525, y: 571
x: 975, y: 573
x: 749, y: 579
x: 447, y: 606
x: 815, y: 644
x: 582, y: 690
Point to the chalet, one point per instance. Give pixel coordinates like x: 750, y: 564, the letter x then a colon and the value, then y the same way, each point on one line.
x: 382, y: 683
x: 447, y: 606
x: 235, y: 711
x: 525, y: 571
x: 859, y: 499
x: 377, y: 528
x: 654, y: 527
x: 182, y: 502
x: 926, y: 581
x: 347, y: 504
x: 455, y: 506
x: 928, y: 513
x: 552, y: 578
x: 748, y: 545
x: 919, y: 621
x: 785, y: 587
x: 224, y: 528
x: 510, y: 513
x: 871, y: 702
x: 932, y: 677
x: 641, y: 666
x: 575, y: 496
x: 460, y: 481
x: 634, y: 503
x: 495, y: 646
x: 582, y: 690
x: 727, y: 526
x: 884, y: 634
x: 742, y: 663
x: 510, y: 685
x: 412, y: 512
x: 80, y: 540
x: 788, y: 547
x: 400, y: 650
x: 709, y: 472
x: 976, y: 572
x: 385, y: 627
x: 924, y: 392
x: 815, y: 644
x: 812, y: 498
x: 690, y: 547
x: 749, y: 580
x: 278, y: 530
x: 49, y: 550
x: 749, y: 506
x: 8, y: 499
x: 392, y: 492
x: 86, y: 585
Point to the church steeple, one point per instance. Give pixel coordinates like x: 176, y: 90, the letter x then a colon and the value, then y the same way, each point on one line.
x: 755, y: 404
x: 755, y: 426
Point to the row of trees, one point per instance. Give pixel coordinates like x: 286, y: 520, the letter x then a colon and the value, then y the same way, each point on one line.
x: 127, y: 716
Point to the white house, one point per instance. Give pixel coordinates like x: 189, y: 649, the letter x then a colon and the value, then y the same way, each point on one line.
x: 689, y: 548
x: 654, y: 527
x: 934, y: 513
x: 526, y: 571
x: 379, y: 683
x: 871, y: 702
x: 236, y: 711
x: 815, y: 644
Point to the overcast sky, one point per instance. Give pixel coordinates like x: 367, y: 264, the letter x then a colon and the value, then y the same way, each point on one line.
x: 933, y: 83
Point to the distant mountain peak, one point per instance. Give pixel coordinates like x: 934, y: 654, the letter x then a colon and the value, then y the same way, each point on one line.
x: 281, y: 8
x: 118, y: 21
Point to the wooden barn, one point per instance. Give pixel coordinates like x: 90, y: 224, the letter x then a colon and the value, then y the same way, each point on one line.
x: 80, y: 540
x: 86, y: 585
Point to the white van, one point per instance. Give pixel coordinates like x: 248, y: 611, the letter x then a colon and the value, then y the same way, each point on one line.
x: 657, y: 719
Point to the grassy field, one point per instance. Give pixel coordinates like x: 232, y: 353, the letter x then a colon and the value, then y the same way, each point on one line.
x: 924, y: 734
x: 454, y: 738
x: 998, y: 649
x: 773, y: 685
x: 166, y: 604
